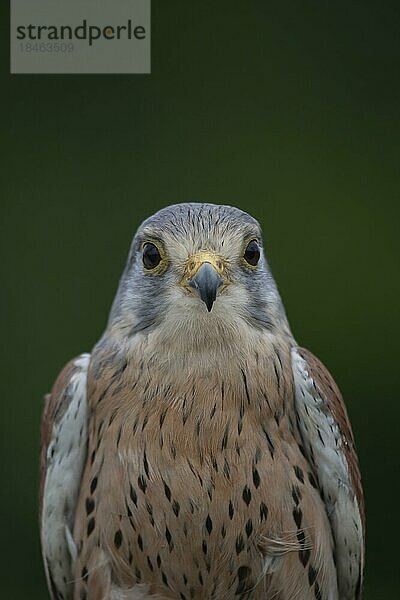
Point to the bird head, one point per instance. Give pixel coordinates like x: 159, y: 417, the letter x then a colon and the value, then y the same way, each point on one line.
x: 198, y: 268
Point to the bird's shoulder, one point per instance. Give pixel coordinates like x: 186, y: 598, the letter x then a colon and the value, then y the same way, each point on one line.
x: 332, y: 399
x: 329, y: 446
x: 62, y: 458
x: 57, y: 402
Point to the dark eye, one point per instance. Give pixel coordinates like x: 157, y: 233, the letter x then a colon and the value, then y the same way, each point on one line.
x: 151, y: 256
x: 252, y: 253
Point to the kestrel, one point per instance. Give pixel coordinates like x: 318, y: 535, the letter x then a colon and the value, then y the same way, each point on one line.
x: 198, y: 452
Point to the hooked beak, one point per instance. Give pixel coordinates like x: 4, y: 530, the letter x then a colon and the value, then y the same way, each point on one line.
x: 206, y: 282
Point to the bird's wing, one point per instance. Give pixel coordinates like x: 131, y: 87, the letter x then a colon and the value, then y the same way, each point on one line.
x: 63, y: 455
x: 329, y: 447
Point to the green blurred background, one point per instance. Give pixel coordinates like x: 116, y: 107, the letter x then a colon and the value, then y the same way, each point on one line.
x: 289, y: 110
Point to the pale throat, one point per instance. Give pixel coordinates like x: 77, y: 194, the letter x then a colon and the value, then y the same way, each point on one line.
x: 242, y: 379
x: 207, y: 348
x: 192, y: 349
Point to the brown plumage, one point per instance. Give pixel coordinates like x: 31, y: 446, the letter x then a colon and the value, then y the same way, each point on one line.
x: 213, y: 457
x: 328, y: 389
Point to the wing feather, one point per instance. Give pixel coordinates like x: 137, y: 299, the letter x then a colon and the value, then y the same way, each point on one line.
x: 329, y: 446
x: 62, y: 458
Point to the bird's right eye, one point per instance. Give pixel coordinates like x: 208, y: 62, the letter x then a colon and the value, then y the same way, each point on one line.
x: 252, y: 253
x: 151, y: 256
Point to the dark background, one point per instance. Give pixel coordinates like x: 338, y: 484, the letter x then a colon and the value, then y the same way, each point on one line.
x: 289, y: 110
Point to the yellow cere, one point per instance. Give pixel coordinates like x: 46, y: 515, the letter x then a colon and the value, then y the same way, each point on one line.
x: 195, y: 261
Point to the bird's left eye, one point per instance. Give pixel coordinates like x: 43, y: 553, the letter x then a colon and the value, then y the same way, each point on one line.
x: 151, y: 256
x: 252, y: 253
